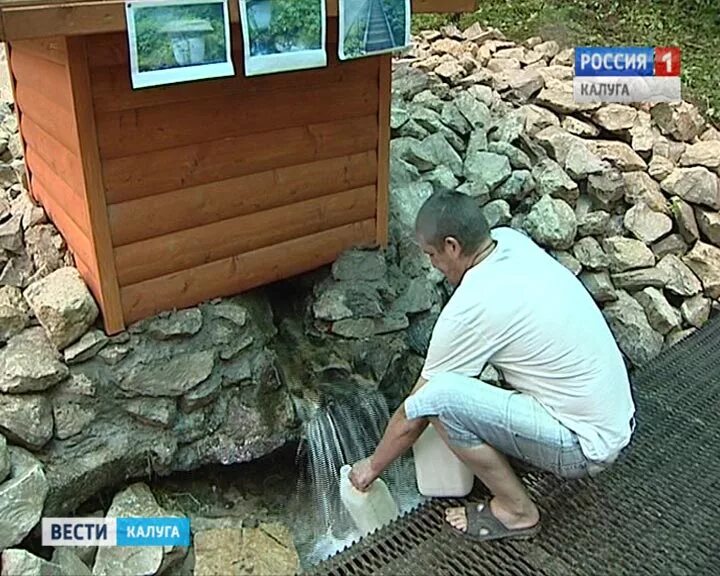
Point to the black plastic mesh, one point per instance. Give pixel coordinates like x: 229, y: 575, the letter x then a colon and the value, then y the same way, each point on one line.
x: 655, y: 512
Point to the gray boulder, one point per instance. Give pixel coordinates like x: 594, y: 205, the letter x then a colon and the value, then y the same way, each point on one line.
x: 634, y: 335
x: 14, y: 312
x: 551, y: 222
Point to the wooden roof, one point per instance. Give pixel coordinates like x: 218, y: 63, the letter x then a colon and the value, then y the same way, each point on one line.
x: 20, y: 19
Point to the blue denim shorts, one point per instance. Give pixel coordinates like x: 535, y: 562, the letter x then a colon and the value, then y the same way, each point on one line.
x: 474, y: 413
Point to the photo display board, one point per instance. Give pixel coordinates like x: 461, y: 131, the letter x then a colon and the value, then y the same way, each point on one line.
x: 283, y: 35
x: 370, y: 27
x: 173, y: 41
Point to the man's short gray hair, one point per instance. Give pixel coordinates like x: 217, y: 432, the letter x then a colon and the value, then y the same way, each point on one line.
x: 452, y: 214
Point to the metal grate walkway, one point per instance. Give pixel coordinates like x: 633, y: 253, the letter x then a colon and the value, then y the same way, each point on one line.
x: 656, y: 512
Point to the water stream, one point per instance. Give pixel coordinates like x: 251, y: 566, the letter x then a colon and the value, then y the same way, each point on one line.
x: 345, y: 430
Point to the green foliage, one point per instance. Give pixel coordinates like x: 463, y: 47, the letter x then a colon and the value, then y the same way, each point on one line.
x: 295, y: 24
x: 693, y: 25
x: 354, y: 44
x: 154, y: 47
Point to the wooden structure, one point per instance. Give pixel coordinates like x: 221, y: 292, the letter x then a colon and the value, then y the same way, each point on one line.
x: 172, y: 195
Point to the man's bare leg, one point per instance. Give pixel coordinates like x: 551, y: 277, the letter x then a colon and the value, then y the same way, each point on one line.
x: 511, y: 503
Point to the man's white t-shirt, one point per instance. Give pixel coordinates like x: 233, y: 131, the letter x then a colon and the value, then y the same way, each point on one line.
x: 527, y: 315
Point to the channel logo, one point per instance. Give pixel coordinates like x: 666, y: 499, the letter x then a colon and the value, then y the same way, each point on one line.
x: 137, y: 531
x: 627, y: 74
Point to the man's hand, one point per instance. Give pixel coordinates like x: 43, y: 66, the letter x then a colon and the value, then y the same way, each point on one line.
x: 363, y: 474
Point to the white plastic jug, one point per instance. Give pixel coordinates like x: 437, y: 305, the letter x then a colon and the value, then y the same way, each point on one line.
x: 371, y: 509
x: 438, y: 471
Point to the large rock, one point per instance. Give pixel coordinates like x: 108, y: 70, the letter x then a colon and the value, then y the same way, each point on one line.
x: 627, y: 254
x: 646, y: 224
x: 551, y: 222
x: 22, y: 497
x: 14, y: 312
x: 709, y: 223
x: 685, y: 218
x: 19, y: 562
x: 558, y: 96
x: 606, y: 188
x: 681, y: 121
x: 615, y: 117
x: 619, y: 154
x: 413, y: 152
x: 673, y: 244
x: 599, y: 285
x: 63, y: 305
x: 11, y: 235
x: 680, y: 278
x: 45, y: 246
x: 593, y: 223
x: 69, y: 562
x: 443, y: 154
x: 88, y: 346
x: 558, y: 142
x: 171, y: 377
x: 515, y: 188
x: 635, y: 280
x: 640, y: 187
x: 497, y: 213
x: 661, y: 315
x: 551, y: 179
x: 405, y: 203
x: 580, y: 127
x: 702, y: 154
x: 660, y: 168
x: 136, y: 500
x: 475, y: 111
x: 580, y: 162
x: 29, y: 363
x: 590, y: 254
x: 519, y: 160
x: 704, y: 261
x: 629, y: 323
x: 486, y: 167
x: 26, y: 419
x: 696, y: 310
x: 179, y: 324
x: 359, y: 265
x: 696, y: 185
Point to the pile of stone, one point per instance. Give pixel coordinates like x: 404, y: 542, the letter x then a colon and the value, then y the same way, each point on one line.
x: 627, y: 197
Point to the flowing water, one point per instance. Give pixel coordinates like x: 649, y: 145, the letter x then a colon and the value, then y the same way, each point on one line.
x: 345, y: 430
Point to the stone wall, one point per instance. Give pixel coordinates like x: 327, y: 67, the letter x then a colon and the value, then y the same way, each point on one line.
x: 627, y: 198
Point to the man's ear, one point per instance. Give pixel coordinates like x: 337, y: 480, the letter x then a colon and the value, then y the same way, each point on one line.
x: 453, y: 246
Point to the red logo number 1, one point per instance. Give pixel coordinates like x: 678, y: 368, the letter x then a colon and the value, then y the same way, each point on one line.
x: 667, y: 61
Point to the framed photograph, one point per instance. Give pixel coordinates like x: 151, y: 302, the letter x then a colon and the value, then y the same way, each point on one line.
x: 369, y: 27
x: 175, y: 41
x: 283, y: 35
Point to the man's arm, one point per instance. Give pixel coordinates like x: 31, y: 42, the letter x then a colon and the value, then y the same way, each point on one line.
x: 399, y: 436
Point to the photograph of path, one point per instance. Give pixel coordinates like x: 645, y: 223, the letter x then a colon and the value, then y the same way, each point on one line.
x: 178, y: 40
x: 373, y: 27
x: 283, y: 35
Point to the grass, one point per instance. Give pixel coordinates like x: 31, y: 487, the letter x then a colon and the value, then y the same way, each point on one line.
x: 694, y: 25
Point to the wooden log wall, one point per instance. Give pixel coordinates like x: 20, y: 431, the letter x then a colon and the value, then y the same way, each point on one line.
x: 218, y: 186
x: 54, y: 152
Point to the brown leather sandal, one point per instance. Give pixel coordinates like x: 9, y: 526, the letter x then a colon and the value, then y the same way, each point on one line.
x: 482, y: 525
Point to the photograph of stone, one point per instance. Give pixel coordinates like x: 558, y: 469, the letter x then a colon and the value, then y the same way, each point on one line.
x: 369, y: 27
x: 283, y: 35
x: 178, y: 41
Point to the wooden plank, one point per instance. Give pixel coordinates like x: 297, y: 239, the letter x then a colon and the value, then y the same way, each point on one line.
x: 181, y: 209
x: 133, y: 132
x: 74, y: 236
x: 239, y: 273
x: 63, y: 161
x: 94, y: 190
x: 112, y: 89
x: 47, y: 114
x: 190, y: 248
x: 32, y: 19
x: 43, y: 76
x: 51, y: 48
x: 143, y: 175
x: 71, y: 201
x: 383, y: 151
